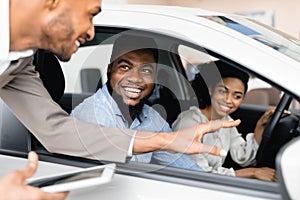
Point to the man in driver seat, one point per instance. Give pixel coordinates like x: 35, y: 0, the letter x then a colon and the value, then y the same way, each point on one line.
x: 120, y: 103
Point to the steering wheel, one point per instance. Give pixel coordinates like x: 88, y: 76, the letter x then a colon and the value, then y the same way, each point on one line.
x: 266, y: 152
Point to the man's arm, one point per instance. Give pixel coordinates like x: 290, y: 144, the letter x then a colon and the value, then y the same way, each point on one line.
x: 26, y: 96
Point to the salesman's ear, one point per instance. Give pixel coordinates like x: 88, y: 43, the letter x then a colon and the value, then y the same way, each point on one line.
x: 51, y: 4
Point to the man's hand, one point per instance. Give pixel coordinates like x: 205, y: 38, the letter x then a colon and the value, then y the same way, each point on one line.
x: 13, y: 186
x: 188, y: 140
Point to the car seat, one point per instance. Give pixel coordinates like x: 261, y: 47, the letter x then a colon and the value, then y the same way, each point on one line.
x: 53, y: 79
x: 263, y: 96
x: 90, y: 80
x: 13, y: 134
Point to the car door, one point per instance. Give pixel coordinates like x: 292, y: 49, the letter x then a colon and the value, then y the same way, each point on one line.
x: 171, y: 96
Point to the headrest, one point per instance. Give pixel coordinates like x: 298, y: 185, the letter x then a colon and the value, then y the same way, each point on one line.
x: 51, y: 73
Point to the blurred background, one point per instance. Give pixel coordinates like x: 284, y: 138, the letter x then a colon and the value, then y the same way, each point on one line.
x: 283, y: 15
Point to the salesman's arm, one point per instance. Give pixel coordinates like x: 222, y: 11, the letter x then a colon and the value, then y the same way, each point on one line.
x: 25, y: 95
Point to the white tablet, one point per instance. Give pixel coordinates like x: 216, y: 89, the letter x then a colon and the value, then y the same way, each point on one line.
x: 78, y: 179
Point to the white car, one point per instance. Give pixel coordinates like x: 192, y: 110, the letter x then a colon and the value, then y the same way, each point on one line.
x: 187, y: 38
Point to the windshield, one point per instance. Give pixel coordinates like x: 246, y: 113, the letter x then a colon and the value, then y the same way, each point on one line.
x: 260, y: 32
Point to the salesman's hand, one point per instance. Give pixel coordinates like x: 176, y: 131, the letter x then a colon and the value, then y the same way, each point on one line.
x: 188, y: 140
x: 13, y: 185
x: 183, y: 141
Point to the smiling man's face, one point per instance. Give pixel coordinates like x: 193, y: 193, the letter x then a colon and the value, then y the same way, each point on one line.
x: 69, y: 24
x: 132, y: 75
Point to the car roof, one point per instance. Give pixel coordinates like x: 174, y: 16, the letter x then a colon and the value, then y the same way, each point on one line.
x: 163, y: 9
x: 148, y: 15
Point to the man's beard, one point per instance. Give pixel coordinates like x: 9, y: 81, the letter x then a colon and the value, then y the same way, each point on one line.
x: 129, y: 112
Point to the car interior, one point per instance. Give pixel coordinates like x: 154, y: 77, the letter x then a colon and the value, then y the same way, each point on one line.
x: 178, y: 61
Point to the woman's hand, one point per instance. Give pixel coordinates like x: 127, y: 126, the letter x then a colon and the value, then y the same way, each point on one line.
x: 261, y: 123
x: 263, y: 173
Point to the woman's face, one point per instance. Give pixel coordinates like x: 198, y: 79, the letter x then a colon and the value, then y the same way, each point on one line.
x: 226, y: 97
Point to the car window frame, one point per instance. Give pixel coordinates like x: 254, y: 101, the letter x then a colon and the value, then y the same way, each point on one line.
x: 177, y: 176
x: 189, y: 177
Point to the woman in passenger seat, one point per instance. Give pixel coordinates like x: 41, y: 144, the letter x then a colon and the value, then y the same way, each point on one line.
x: 220, y: 91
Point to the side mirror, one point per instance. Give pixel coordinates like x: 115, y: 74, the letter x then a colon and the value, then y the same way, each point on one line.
x: 288, y: 169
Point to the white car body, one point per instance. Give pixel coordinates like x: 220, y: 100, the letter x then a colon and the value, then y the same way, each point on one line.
x: 186, y: 25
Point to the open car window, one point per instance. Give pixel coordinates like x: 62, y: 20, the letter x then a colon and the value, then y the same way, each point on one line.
x: 179, y: 62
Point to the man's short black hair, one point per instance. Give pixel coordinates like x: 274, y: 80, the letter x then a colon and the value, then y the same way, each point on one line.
x: 126, y: 43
